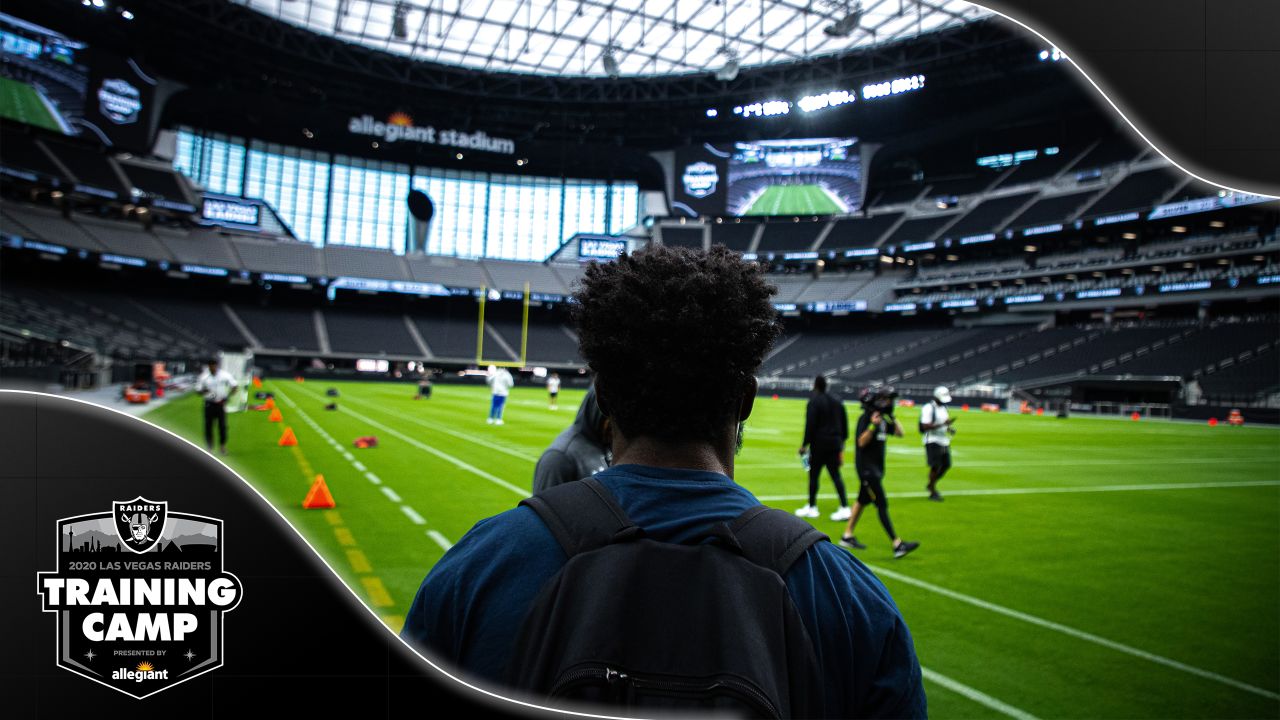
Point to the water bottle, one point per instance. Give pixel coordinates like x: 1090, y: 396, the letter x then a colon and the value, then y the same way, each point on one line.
x: 804, y: 459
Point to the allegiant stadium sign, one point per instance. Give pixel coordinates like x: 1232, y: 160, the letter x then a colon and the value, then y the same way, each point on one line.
x: 400, y: 128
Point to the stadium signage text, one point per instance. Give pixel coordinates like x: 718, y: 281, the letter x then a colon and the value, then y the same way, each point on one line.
x: 1199, y: 205
x: 230, y: 211
x: 600, y: 248
x: 965, y: 302
x: 1118, y: 218
x: 1186, y: 286
x: 1019, y: 299
x: 1042, y: 229
x: 976, y: 239
x: 123, y: 260
x: 119, y: 101
x: 400, y: 128
x: 861, y: 252
x: 139, y: 595
x: 1103, y: 293
x: 900, y: 307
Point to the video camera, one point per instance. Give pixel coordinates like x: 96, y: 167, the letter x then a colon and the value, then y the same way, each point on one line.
x: 881, y: 398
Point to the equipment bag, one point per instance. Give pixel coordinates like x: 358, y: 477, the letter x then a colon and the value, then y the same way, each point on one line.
x: 668, y: 627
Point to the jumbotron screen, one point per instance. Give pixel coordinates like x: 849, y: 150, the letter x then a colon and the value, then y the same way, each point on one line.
x: 54, y: 82
x: 810, y: 176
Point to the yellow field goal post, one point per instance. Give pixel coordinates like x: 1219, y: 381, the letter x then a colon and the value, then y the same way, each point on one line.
x: 524, y: 333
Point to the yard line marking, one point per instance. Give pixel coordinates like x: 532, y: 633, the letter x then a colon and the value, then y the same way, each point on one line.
x: 461, y: 436
x: 358, y: 561
x: 348, y: 456
x: 1073, y: 632
x: 975, y: 695
x: 373, y: 478
x: 359, y: 465
x: 1049, y: 463
x: 391, y: 494
x: 333, y: 517
x: 344, y: 536
x: 413, y: 515
x: 378, y: 595
x: 438, y: 453
x: 441, y: 540
x: 1054, y: 490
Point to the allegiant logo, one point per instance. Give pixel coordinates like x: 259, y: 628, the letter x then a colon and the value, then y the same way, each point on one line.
x: 399, y: 127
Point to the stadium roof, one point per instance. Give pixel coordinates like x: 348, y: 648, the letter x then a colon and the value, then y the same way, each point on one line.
x: 618, y: 37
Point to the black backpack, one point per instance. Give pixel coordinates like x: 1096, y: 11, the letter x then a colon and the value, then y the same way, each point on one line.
x: 667, y: 627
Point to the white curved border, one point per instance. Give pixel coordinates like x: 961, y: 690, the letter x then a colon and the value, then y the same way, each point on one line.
x: 336, y: 577
x: 1069, y: 56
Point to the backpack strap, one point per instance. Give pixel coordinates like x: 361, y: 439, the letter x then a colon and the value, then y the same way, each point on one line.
x: 773, y: 538
x: 582, y: 516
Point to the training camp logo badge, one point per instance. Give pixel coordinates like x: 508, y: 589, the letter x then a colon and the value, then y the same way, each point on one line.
x: 700, y: 179
x: 139, y: 595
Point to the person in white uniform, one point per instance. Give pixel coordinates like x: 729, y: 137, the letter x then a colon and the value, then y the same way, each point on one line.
x: 553, y: 391
x: 215, y: 385
x: 936, y: 425
x: 500, y: 382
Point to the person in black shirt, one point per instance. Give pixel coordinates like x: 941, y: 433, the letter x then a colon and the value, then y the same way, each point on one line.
x: 874, y: 427
x: 826, y: 427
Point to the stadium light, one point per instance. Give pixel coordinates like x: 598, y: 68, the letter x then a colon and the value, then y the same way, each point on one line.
x: 610, y: 63
x: 845, y: 26
x: 400, y: 28
x: 729, y: 71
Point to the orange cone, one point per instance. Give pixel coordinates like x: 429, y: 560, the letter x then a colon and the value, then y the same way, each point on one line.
x: 1135, y: 417
x: 271, y: 403
x: 257, y: 381
x: 298, y: 378
x: 287, y: 439
x: 318, y: 497
x: 275, y: 415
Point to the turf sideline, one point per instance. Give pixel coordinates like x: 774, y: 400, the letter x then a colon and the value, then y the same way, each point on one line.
x: 1052, y: 490
x: 460, y: 464
x: 461, y: 436
x: 975, y: 695
x: 1073, y: 632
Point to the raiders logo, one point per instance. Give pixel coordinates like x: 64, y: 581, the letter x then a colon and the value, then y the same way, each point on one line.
x: 139, y: 522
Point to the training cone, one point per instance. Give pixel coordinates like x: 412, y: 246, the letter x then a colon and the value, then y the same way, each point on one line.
x: 318, y: 497
x: 1135, y: 417
x: 297, y: 378
x: 1213, y: 422
x: 287, y: 439
x: 270, y: 403
x: 275, y: 415
x: 257, y: 381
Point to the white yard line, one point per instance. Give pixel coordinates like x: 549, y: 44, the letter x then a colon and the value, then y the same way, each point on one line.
x: 1039, y: 463
x: 392, y: 495
x: 413, y: 515
x: 1053, y: 490
x: 975, y: 695
x: 440, y: 540
x: 461, y: 436
x: 461, y: 464
x: 1073, y: 632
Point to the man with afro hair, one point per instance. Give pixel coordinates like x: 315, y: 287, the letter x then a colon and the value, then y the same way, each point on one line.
x: 675, y: 338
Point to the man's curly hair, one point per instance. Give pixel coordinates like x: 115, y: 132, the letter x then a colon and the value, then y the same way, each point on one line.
x: 675, y: 337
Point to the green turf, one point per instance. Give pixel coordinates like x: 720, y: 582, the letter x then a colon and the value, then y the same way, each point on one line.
x: 794, y: 200
x: 19, y: 101
x: 1191, y: 575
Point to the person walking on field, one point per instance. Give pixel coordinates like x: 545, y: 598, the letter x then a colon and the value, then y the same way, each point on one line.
x: 826, y: 428
x: 500, y: 382
x: 935, y: 423
x: 215, y: 385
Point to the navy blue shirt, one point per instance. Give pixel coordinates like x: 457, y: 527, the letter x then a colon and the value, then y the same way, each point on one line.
x: 472, y: 604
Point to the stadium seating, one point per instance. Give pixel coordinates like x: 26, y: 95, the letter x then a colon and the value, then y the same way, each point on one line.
x: 345, y: 261
x: 513, y: 276
x: 690, y: 237
x: 446, y: 271
x: 88, y: 167
x: 1111, y: 150
x: 284, y: 257
x: 1140, y: 189
x: 126, y: 238
x: 449, y: 336
x: 281, y: 328
x: 988, y: 216
x: 47, y: 225
x: 200, y: 247
x: 859, y: 232
x: 1056, y: 209
x: 735, y: 236
x: 369, y: 333
x: 789, y: 236
x: 918, y: 229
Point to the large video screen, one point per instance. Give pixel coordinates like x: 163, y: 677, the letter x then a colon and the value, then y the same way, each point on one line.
x: 54, y: 82
x: 43, y: 76
x: 809, y: 176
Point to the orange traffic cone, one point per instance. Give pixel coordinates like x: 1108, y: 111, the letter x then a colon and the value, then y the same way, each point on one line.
x: 318, y: 497
x: 287, y: 439
x: 257, y: 381
x: 271, y: 403
x: 275, y: 415
x: 298, y: 378
x: 1135, y: 417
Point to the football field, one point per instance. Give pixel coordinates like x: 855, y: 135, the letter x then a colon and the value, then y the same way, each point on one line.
x: 794, y: 200
x: 1078, y: 568
x: 19, y: 101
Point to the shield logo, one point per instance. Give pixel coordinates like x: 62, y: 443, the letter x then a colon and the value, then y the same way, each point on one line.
x: 139, y: 522
x: 700, y: 179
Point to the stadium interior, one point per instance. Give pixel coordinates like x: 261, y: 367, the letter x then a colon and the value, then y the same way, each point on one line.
x: 363, y: 193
